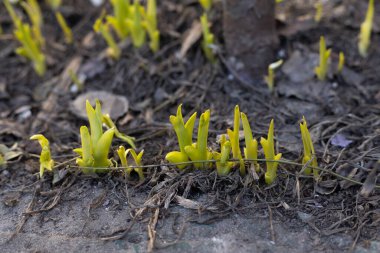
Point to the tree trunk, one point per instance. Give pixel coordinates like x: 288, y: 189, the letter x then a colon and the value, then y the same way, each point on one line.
x: 250, y: 36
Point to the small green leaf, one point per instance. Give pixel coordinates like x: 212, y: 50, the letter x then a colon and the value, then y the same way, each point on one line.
x: 45, y: 157
x: 308, y: 149
x: 177, y: 157
x: 101, y: 149
x: 250, y: 151
x: 268, y: 147
x: 234, y: 139
x: 95, y: 122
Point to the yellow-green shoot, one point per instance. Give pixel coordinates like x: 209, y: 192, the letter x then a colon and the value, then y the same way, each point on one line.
x: 110, y: 124
x: 30, y: 47
x: 250, y: 150
x: 309, y: 157
x: 269, y: 79
x: 198, y: 151
x: 268, y: 147
x: 95, y: 146
x: 366, y: 29
x: 234, y: 139
x: 46, y: 163
x: 33, y: 10
x: 341, y: 62
x: 102, y: 28
x: 208, y: 39
x: 150, y: 24
x: 223, y: 166
x: 206, y: 4
x: 135, y: 24
x: 65, y: 28
x: 136, y: 158
x: 121, y: 12
x: 184, y: 132
x: 318, y: 11
x: 324, y: 55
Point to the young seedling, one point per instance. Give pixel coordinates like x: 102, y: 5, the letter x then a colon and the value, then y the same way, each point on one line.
x: 269, y: 79
x: 137, y: 161
x: 110, y: 124
x: 308, y: 149
x: 223, y: 166
x: 30, y: 47
x: 366, y: 29
x: 121, y: 12
x: 268, y: 147
x: 102, y: 28
x: 65, y: 28
x: 318, y: 11
x: 46, y: 163
x: 324, y: 55
x: 184, y: 134
x: 206, y: 4
x: 95, y: 146
x: 250, y: 150
x: 33, y: 10
x: 135, y: 24
x: 341, y: 62
x: 208, y: 39
x: 234, y: 139
x: 150, y: 25
x: 198, y: 151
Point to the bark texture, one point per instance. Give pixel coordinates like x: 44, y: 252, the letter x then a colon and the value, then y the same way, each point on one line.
x: 250, y: 36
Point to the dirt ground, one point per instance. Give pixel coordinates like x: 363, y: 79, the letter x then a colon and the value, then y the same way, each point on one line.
x: 194, y: 210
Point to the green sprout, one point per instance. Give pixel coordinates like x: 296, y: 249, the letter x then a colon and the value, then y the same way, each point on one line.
x: 318, y: 11
x: 110, y: 124
x: 184, y: 134
x: 223, y: 166
x: 121, y: 12
x: 30, y: 47
x: 198, y: 151
x: 324, y: 55
x: 268, y: 147
x: 137, y: 161
x: 366, y: 29
x: 308, y: 149
x: 135, y: 24
x: 234, y: 139
x: 65, y: 28
x: 102, y: 28
x: 206, y: 4
x: 341, y: 62
x: 269, y: 79
x: 33, y: 10
x: 95, y: 146
x: 250, y: 150
x: 150, y: 25
x: 45, y: 158
x: 208, y: 39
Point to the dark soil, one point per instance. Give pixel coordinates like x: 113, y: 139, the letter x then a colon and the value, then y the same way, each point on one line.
x: 195, y: 211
